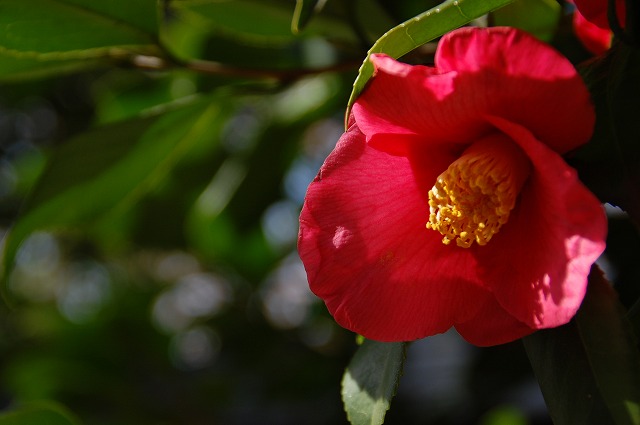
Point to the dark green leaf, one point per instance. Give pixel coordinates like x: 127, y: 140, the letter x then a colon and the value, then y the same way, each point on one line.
x: 421, y: 29
x: 610, y: 163
x: 538, y: 17
x: 612, y: 350
x: 39, y: 414
x: 302, y: 14
x: 588, y: 370
x: 247, y: 33
x: 139, y: 14
x: 54, y: 30
x: 14, y: 68
x: 371, y: 380
x: 109, y: 167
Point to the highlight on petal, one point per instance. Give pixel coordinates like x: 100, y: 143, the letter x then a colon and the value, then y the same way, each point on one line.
x: 511, y: 74
x: 554, y: 236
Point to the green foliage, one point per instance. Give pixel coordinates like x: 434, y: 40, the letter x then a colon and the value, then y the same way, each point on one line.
x: 108, y: 167
x: 582, y: 381
x: 538, y: 17
x: 178, y: 137
x: 371, y: 380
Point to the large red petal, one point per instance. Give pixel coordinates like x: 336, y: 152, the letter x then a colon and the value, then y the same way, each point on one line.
x: 538, y: 263
x: 510, y: 74
x: 404, y: 99
x: 492, y: 325
x: 367, y: 252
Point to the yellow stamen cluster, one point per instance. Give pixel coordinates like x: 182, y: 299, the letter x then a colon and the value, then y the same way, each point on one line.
x: 473, y: 198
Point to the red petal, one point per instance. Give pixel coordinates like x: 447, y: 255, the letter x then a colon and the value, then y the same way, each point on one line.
x: 492, y: 325
x: 510, y: 74
x: 595, y: 11
x: 368, y: 253
x: 480, y: 71
x: 538, y: 263
x: 594, y: 38
x: 403, y: 99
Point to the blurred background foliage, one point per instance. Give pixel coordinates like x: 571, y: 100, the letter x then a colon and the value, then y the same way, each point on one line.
x: 155, y: 156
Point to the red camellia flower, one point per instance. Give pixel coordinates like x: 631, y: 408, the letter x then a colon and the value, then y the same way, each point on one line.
x: 447, y: 203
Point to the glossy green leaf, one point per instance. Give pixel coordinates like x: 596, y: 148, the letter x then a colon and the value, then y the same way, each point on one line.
x: 39, y: 414
x: 371, y: 380
x: 589, y: 369
x: 56, y: 30
x: 538, y: 17
x: 303, y: 13
x: 109, y: 167
x: 421, y: 29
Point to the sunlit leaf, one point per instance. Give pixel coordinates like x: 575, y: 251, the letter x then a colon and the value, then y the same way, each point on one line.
x: 421, y: 29
x: 38, y: 414
x: 107, y: 168
x: 371, y: 380
x: 589, y: 369
x: 55, y: 30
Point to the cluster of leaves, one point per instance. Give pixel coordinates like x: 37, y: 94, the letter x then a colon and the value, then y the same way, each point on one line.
x: 182, y: 125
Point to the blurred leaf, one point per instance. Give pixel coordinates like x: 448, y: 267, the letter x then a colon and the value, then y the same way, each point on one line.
x: 612, y: 349
x: 610, y: 163
x: 55, y: 30
x: 421, y: 29
x: 14, y: 69
x: 303, y: 13
x: 589, y: 369
x: 371, y: 380
x: 537, y: 17
x: 141, y: 14
x: 39, y: 414
x: 249, y: 33
x: 109, y: 167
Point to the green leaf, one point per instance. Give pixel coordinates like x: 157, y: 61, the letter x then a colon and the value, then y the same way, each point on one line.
x: 538, y: 17
x: 589, y: 369
x: 612, y: 349
x: 421, y: 29
x: 55, y: 30
x: 23, y: 68
x: 304, y: 11
x: 109, y: 167
x: 248, y: 33
x: 39, y: 414
x: 140, y: 14
x: 371, y: 380
x: 610, y: 163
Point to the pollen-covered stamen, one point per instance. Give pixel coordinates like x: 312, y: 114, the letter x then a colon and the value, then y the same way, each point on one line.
x: 473, y: 198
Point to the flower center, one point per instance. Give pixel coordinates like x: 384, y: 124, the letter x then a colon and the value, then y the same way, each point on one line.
x: 473, y: 198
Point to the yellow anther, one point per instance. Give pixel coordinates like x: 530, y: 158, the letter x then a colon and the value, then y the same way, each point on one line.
x: 473, y: 198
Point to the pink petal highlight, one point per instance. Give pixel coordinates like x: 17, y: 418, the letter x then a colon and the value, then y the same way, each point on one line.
x: 554, y: 236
